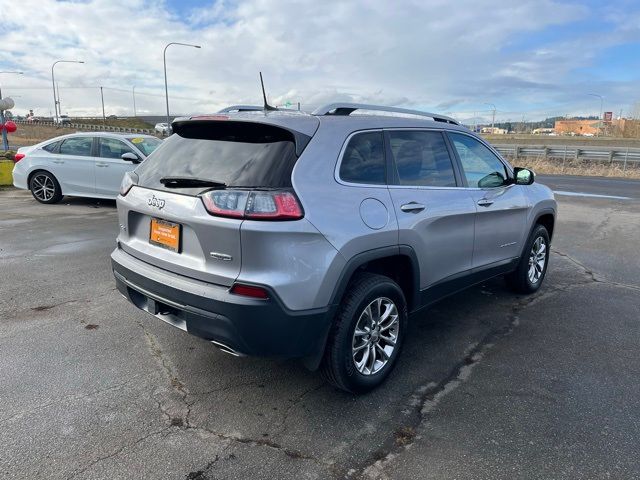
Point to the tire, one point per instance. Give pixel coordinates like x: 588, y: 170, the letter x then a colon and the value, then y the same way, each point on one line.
x: 45, y: 188
x: 532, y: 268
x: 344, y: 364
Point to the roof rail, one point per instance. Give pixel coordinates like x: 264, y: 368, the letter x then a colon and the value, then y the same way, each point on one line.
x: 242, y: 108
x: 349, y: 108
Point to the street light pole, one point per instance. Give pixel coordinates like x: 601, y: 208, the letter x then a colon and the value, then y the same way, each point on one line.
x: 600, y: 117
x: 53, y: 83
x: 5, y: 141
x: 166, y: 89
x: 104, y: 118
x: 134, y: 102
x: 493, y: 118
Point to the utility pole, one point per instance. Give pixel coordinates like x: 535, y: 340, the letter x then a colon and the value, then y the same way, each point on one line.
x: 493, y: 118
x: 600, y: 117
x: 166, y: 88
x: 59, y: 104
x: 104, y: 119
x: 134, y: 102
x: 53, y: 83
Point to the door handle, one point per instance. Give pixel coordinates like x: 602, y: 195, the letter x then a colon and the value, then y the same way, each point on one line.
x: 485, y: 202
x: 102, y: 164
x: 60, y: 162
x: 412, y: 207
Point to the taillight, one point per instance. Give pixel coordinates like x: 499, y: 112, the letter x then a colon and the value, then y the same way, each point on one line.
x: 18, y: 156
x: 253, y: 205
x: 249, y: 291
x: 129, y: 180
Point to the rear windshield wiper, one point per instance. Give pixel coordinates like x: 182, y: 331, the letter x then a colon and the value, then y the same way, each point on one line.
x: 190, y: 182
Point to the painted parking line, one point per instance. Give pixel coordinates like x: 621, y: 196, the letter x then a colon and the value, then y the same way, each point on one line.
x: 592, y: 195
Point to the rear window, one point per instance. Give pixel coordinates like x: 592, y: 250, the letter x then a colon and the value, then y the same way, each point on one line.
x: 240, y: 154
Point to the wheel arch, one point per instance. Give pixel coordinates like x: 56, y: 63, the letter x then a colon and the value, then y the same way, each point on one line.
x: 397, y: 262
x: 547, y: 219
x: 37, y: 170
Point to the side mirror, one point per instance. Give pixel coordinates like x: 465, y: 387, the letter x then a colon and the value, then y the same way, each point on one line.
x: 130, y: 157
x: 523, y: 176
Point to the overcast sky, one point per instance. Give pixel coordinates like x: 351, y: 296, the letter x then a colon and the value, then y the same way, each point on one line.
x: 530, y: 58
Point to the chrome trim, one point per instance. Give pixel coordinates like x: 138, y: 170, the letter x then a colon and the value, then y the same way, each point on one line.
x: 221, y: 256
x: 227, y: 349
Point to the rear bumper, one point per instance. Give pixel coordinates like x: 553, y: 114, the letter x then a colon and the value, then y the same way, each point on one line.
x: 238, y: 325
x: 19, y: 177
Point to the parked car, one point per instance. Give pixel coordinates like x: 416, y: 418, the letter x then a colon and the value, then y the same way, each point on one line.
x: 62, y: 120
x: 80, y: 164
x: 316, y: 235
x: 162, y: 128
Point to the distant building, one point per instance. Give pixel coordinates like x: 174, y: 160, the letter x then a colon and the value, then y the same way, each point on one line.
x: 577, y: 127
x: 543, y: 131
x: 493, y: 130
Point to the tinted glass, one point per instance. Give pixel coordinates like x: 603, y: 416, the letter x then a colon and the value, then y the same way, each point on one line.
x: 480, y: 166
x: 112, y: 148
x: 363, y: 159
x: 238, y: 154
x: 422, y: 158
x: 51, y: 147
x: 77, y: 146
x: 145, y: 144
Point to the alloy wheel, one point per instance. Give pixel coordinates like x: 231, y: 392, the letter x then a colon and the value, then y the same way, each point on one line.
x: 375, y: 336
x: 537, y: 259
x: 43, y: 187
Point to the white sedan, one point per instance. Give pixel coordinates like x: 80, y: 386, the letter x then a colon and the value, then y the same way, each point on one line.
x: 80, y: 164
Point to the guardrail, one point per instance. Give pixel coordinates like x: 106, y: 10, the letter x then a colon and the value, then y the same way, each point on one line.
x: 90, y: 127
x: 565, y: 152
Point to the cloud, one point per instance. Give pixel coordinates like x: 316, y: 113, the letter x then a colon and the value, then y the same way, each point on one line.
x: 435, y: 55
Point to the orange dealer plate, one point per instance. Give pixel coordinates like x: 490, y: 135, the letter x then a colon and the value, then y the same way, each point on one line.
x: 165, y: 234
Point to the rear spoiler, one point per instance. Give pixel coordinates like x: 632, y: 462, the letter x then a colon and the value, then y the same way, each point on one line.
x: 182, y: 125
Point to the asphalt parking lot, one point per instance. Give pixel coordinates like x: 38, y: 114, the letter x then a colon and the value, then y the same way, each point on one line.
x: 490, y: 384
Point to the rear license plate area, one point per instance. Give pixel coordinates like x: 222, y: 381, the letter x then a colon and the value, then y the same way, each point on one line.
x: 165, y: 234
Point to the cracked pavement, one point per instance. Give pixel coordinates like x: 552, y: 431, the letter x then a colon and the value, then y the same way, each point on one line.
x: 490, y: 384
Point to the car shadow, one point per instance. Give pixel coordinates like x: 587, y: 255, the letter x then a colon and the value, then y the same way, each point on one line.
x: 282, y: 401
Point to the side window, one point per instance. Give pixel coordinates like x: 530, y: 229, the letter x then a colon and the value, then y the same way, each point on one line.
x: 77, y: 146
x: 480, y: 166
x: 51, y: 147
x: 112, y: 148
x: 422, y: 158
x: 363, y: 159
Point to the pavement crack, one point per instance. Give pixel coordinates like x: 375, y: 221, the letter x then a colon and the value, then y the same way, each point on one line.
x: 70, y: 397
x: 115, y: 453
x: 177, y: 386
x: 591, y: 276
x: 293, y: 402
x: 427, y: 397
x: 255, y: 442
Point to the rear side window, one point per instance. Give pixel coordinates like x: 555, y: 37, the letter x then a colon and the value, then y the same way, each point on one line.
x: 52, y: 147
x: 77, y: 146
x: 363, y: 159
x: 240, y: 154
x: 422, y: 158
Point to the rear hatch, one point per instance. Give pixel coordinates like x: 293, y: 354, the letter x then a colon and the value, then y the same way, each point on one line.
x: 188, y: 199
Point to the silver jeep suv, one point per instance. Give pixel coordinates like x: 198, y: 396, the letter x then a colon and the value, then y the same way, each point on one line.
x: 316, y: 235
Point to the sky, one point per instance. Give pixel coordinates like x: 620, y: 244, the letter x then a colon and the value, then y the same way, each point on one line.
x: 529, y: 59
